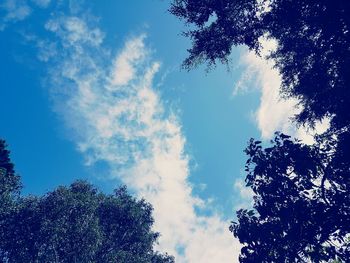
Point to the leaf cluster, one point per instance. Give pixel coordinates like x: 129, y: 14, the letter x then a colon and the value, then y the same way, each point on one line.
x: 301, y: 203
x: 302, y: 192
x: 77, y: 223
x: 312, y: 54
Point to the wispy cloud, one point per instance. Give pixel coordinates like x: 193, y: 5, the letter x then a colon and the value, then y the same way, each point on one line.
x: 125, y: 65
x: 246, y: 194
x: 12, y: 11
x: 273, y: 113
x: 42, y: 3
x: 117, y: 116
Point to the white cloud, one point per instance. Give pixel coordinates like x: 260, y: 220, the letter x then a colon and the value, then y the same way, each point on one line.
x: 74, y: 32
x: 14, y: 10
x: 18, y: 10
x: 42, y: 3
x: 307, y: 135
x: 117, y: 116
x: 124, y: 68
x: 274, y: 113
x: 246, y: 194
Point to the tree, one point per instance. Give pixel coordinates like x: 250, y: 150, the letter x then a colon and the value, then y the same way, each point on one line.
x: 9, y: 189
x: 301, y: 202
x: 9, y: 182
x: 77, y: 224
x: 313, y: 45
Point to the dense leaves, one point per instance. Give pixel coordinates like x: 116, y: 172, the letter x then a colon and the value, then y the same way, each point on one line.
x: 9, y: 182
x: 302, y: 193
x: 74, y: 224
x: 301, y: 203
x: 313, y: 45
x: 9, y: 189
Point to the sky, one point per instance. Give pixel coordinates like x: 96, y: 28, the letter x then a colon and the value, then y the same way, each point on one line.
x: 94, y: 90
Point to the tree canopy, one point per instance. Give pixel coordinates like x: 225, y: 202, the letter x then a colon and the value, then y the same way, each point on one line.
x: 301, y: 203
x: 73, y: 224
x: 302, y: 192
x: 10, y: 184
x: 313, y: 45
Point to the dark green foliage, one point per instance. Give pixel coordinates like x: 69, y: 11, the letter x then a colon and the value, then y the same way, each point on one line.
x: 9, y: 182
x: 75, y: 224
x: 301, y: 204
x: 9, y: 190
x: 302, y: 193
x: 313, y: 45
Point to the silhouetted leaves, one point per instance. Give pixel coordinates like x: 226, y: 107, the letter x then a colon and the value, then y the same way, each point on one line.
x: 10, y: 184
x: 313, y: 45
x: 300, y: 207
x: 302, y: 193
x: 74, y: 224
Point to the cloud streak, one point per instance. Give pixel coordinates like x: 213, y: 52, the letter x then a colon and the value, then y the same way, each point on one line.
x: 273, y: 113
x: 13, y: 11
x: 115, y: 114
x: 18, y: 10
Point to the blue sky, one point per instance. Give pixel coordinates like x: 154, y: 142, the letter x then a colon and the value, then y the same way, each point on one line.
x: 95, y: 91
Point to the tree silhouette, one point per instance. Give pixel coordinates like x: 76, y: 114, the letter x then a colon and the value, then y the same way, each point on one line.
x: 302, y: 193
x: 301, y: 204
x: 74, y: 224
x: 313, y: 45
